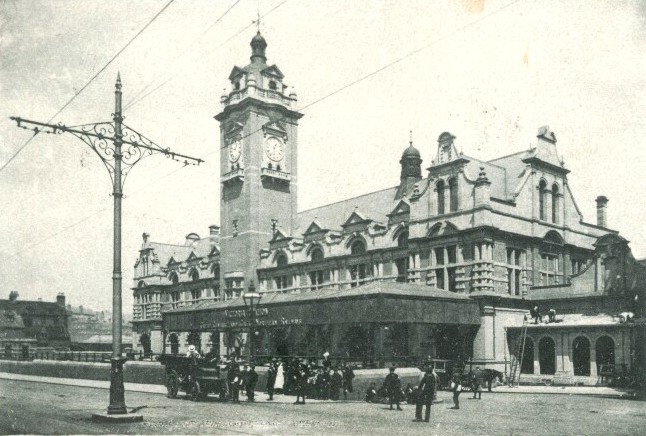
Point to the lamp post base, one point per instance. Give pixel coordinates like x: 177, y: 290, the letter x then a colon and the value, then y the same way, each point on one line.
x: 117, y: 392
x: 117, y: 419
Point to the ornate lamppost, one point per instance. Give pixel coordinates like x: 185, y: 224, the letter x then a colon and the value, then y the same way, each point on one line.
x: 119, y: 147
x: 251, y: 300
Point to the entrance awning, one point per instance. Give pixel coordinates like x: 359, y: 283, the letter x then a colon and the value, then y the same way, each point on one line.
x: 376, y: 302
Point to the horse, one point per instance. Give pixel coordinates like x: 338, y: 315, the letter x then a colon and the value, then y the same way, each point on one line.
x: 489, y: 375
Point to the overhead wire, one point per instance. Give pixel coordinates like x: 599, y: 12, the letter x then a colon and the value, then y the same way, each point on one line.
x: 139, y: 97
x: 89, y: 81
x: 336, y: 91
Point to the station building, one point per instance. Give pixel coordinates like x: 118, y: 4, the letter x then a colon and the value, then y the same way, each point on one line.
x: 445, y: 262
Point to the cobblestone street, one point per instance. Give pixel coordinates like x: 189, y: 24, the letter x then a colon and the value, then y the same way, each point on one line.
x: 39, y: 408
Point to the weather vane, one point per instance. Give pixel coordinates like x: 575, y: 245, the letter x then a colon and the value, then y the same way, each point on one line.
x: 257, y: 22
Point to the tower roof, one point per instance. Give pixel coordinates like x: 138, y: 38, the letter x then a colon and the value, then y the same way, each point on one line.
x: 258, y: 46
x: 411, y: 152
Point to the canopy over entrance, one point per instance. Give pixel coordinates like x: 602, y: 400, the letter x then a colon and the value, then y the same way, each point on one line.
x: 376, y: 302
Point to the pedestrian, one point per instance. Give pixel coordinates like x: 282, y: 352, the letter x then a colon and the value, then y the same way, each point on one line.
x: 301, y: 384
x: 272, y: 372
x: 192, y: 352
x: 279, y: 385
x: 348, y: 376
x: 393, y: 387
x: 232, y: 377
x: 476, y: 383
x: 336, y: 382
x: 456, y: 387
x: 425, y: 394
x: 250, y: 383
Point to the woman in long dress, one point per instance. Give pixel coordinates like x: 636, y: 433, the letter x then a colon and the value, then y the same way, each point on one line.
x: 280, y: 378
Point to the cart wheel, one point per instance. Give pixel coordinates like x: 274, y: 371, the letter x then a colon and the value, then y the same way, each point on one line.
x: 195, y: 392
x: 172, y: 384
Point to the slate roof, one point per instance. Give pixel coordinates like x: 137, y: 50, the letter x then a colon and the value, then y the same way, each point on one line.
x: 38, y: 308
x: 374, y: 206
x: 164, y: 252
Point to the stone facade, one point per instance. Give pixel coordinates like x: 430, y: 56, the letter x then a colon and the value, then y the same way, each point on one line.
x: 506, y: 233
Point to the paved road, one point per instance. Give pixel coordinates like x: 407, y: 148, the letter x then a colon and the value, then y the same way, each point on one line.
x: 38, y: 408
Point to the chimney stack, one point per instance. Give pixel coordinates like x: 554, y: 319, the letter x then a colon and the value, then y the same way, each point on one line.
x: 60, y: 299
x: 602, y: 206
x: 214, y: 230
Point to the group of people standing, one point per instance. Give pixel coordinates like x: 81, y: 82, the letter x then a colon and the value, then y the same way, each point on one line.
x: 319, y: 381
x: 425, y: 392
x: 238, y: 379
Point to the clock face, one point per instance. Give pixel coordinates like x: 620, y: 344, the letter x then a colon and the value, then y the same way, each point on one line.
x: 274, y: 149
x: 235, y: 150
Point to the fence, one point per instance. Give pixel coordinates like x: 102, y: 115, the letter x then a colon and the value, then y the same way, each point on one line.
x: 71, y: 356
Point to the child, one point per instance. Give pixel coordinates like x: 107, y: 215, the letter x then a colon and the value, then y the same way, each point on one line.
x: 371, y: 394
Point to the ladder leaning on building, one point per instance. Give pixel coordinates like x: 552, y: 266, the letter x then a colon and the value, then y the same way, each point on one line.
x: 518, y: 356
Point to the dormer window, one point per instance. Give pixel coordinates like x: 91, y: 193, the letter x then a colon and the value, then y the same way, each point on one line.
x: 236, y: 85
x: 440, y: 197
x: 542, y: 204
x: 272, y: 85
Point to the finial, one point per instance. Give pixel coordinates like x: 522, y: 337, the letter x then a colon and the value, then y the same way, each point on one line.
x: 118, y: 84
x: 257, y: 22
x: 410, y: 132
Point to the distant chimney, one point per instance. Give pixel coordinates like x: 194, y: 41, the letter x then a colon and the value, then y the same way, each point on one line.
x: 60, y: 299
x: 145, y: 237
x: 214, y: 230
x: 602, y: 206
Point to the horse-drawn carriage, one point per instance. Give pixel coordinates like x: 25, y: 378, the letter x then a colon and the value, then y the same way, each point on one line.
x: 194, y: 375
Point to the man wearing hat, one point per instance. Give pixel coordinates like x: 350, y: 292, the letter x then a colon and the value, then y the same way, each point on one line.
x: 272, y: 373
x: 425, y: 394
x: 192, y: 352
x: 250, y: 382
x: 393, y: 387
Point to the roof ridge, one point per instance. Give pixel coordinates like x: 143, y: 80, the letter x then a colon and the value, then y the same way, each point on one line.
x: 506, y: 156
x: 347, y: 199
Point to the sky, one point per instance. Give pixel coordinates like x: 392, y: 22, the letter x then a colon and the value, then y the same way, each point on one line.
x: 366, y: 72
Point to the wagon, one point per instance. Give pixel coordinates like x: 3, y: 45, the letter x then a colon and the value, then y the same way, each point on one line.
x: 198, y: 377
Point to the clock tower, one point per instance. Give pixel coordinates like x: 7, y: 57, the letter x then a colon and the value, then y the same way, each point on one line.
x: 258, y: 167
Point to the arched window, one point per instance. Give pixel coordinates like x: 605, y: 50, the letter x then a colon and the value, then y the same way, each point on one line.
x: 357, y: 248
x: 542, y: 191
x: 605, y: 354
x: 453, y: 194
x: 440, y: 197
x: 402, y: 239
x: 547, y: 355
x: 581, y: 356
x: 527, y: 362
x: 316, y: 254
x: 174, y: 343
x: 555, y: 203
x: 216, y: 271
x: 272, y: 85
x: 281, y: 260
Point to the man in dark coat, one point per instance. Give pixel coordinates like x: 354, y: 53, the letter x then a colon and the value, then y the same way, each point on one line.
x: 476, y: 383
x: 301, y: 384
x: 336, y: 382
x: 250, y: 383
x: 348, y: 376
x: 425, y: 393
x: 232, y: 375
x: 393, y: 387
x: 272, y: 372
